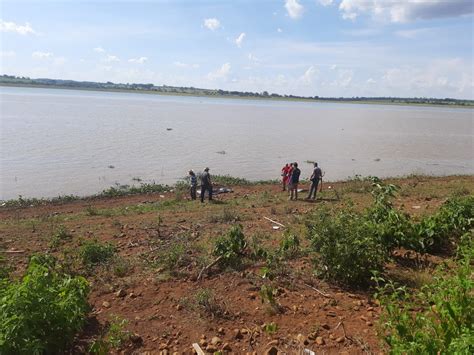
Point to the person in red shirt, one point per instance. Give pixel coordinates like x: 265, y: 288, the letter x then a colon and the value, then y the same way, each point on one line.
x: 284, y: 173
x: 288, y: 175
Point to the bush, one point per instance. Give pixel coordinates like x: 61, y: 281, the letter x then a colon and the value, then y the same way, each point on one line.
x: 455, y: 217
x: 230, y: 247
x: 443, y: 322
x: 348, y: 250
x: 93, y: 253
x: 290, y: 245
x: 43, y: 311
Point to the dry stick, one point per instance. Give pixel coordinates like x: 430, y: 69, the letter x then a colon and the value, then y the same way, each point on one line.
x: 208, y: 267
x: 198, y: 349
x: 343, y: 329
x: 13, y: 251
x: 318, y: 291
x: 275, y: 222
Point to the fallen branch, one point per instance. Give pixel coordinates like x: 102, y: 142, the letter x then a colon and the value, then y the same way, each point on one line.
x: 318, y: 291
x: 275, y: 222
x: 13, y: 251
x: 208, y: 267
x: 198, y: 349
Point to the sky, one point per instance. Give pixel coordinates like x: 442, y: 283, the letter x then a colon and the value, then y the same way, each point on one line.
x: 336, y: 48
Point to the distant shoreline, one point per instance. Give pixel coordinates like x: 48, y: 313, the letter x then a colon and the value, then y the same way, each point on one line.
x: 237, y: 97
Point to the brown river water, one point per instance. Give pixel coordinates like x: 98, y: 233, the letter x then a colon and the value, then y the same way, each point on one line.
x: 59, y: 142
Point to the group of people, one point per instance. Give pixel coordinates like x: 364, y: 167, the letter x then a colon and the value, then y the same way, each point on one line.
x: 206, y: 184
x: 291, y: 177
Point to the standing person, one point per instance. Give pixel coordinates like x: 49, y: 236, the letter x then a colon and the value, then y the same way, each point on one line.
x: 284, y: 174
x: 315, y: 178
x: 295, y: 179
x: 288, y: 175
x: 206, y: 184
x: 193, y: 183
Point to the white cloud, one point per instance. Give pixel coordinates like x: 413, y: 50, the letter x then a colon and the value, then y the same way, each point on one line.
x: 326, y: 2
x: 220, y: 73
x: 371, y: 81
x: 7, y: 54
x: 13, y: 27
x: 185, y: 65
x: 309, y: 75
x: 212, y: 23
x: 42, y: 55
x: 344, y: 78
x: 294, y: 8
x: 139, y: 60
x: 279, y: 30
x: 111, y: 58
x: 333, y: 67
x: 240, y: 39
x: 252, y: 58
x: 99, y: 50
x: 405, y: 11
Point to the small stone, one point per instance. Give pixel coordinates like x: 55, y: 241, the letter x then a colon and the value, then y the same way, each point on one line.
x: 121, y: 293
x: 319, y: 340
x: 369, y: 323
x: 132, y: 295
x: 332, y: 314
x: 216, y: 341
x: 244, y: 331
x: 178, y: 307
x: 226, y: 347
x: 221, y: 330
x: 238, y: 334
x: 163, y: 346
x: 364, y: 318
x: 340, y: 340
x: 325, y: 326
x: 203, y: 342
x: 106, y: 304
x: 272, y: 351
x: 211, y: 348
x: 135, y: 338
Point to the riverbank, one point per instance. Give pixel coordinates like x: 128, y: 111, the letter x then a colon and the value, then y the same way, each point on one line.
x: 394, y: 101
x: 163, y: 241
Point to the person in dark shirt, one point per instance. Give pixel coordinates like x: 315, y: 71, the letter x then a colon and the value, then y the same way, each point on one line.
x: 193, y: 184
x: 315, y: 178
x: 294, y: 180
x: 206, y: 184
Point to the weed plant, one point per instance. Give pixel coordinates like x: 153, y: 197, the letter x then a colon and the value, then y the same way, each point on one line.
x: 230, y: 247
x: 42, y: 312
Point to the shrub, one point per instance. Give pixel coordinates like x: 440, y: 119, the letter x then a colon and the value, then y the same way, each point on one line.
x: 230, y: 247
x: 93, y: 253
x: 43, y: 311
x: 59, y: 237
x: 348, y: 250
x: 290, y: 245
x: 455, y: 217
x: 443, y: 322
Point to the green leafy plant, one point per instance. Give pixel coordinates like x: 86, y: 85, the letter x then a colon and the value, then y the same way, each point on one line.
x: 230, y: 248
x: 439, y: 318
x: 268, y: 296
x: 270, y: 328
x: 43, y: 311
x: 59, y: 237
x: 207, y: 302
x: 93, y: 253
x: 290, y: 245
